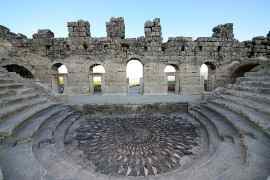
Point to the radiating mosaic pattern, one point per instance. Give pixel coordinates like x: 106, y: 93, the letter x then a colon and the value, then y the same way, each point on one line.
x: 137, y: 145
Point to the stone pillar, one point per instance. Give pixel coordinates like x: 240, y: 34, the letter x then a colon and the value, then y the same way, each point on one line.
x: 152, y: 31
x: 54, y: 83
x: 177, y: 83
x: 91, y: 84
x: 79, y: 35
x: 116, y: 28
x: 79, y: 29
x: 66, y: 87
x: 190, y: 79
x: 141, y: 86
x: 103, y: 84
x: 43, y: 40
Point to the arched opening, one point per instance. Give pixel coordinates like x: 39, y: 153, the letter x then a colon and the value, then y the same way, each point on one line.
x: 172, y: 79
x: 241, y: 70
x: 59, y: 77
x: 135, y: 77
x: 207, y: 75
x: 96, y: 76
x: 22, y: 71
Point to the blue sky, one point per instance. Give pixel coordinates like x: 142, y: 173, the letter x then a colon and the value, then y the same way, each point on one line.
x: 194, y: 18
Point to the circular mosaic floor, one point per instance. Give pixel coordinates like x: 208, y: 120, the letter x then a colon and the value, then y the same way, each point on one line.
x: 138, y: 145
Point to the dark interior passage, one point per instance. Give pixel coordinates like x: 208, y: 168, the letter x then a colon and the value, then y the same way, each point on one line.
x: 22, y: 71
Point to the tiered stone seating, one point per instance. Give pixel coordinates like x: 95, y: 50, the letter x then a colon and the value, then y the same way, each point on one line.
x: 18, y: 103
x: 35, y: 133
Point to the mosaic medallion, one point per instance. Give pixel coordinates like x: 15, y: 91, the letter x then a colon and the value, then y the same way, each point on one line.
x: 137, y: 145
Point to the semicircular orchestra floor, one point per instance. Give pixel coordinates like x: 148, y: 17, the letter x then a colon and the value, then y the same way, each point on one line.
x: 138, y: 144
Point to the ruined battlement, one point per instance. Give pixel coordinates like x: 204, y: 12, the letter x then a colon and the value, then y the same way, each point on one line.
x: 82, y: 50
x: 116, y: 28
x: 77, y: 29
x: 222, y: 43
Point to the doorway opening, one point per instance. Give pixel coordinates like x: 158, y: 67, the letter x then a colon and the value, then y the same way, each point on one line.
x: 135, y: 77
x: 96, y: 77
x: 59, y: 77
x: 207, y: 75
x: 171, y: 77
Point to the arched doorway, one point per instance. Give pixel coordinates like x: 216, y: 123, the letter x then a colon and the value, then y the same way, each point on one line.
x: 207, y: 75
x: 241, y: 70
x: 134, y: 77
x: 172, y: 79
x: 59, y: 77
x: 96, y: 78
x: 21, y: 70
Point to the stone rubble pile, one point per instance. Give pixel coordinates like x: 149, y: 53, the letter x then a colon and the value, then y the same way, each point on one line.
x: 43, y: 34
x: 223, y: 31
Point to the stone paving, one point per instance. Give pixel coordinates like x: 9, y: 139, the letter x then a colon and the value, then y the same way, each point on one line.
x: 136, y: 99
x: 138, y: 144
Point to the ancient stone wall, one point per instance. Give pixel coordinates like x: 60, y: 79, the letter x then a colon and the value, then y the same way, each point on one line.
x: 80, y: 51
x: 79, y: 29
x: 116, y: 28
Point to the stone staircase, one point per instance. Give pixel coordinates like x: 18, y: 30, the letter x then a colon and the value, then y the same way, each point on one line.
x: 19, y: 101
x: 34, y: 131
x: 241, y: 115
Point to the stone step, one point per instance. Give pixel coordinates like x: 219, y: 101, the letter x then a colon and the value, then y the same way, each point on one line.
x: 260, y: 98
x: 10, y: 86
x: 7, y: 81
x: 251, y: 78
x: 239, y: 122
x: 251, y: 89
x: 252, y: 138
x: 256, y: 74
x: 61, y: 131
x: 28, y: 127
x: 19, y: 163
x: 27, y: 90
x: 225, y: 127
x: 8, y: 126
x: 213, y: 135
x: 200, y: 115
x: 9, y: 111
x: 3, y: 70
x: 46, y: 129
x: 258, y: 120
x: 257, y: 84
x: 4, y: 102
x: 246, y: 103
x: 7, y: 93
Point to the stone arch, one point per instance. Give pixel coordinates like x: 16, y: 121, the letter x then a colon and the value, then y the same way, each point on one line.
x: 21, y: 70
x: 208, y: 75
x: 135, y: 76
x: 241, y: 69
x: 96, y: 78
x: 172, y: 78
x: 24, y: 62
x: 59, y: 77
